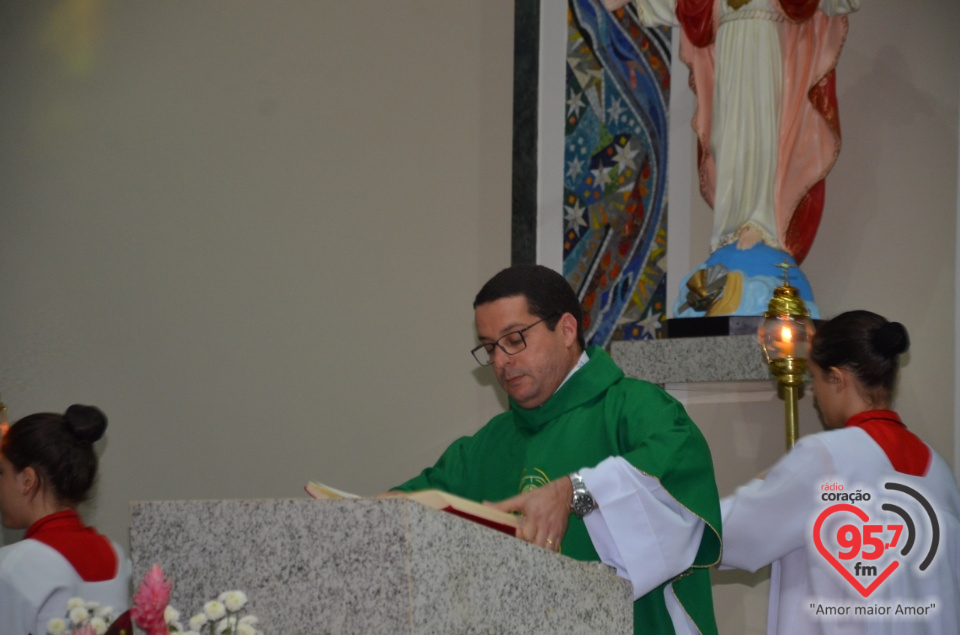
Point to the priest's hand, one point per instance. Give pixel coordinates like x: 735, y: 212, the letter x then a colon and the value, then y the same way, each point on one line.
x: 545, y: 510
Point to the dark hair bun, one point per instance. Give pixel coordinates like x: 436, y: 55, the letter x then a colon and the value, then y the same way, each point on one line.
x: 891, y: 339
x: 87, y: 423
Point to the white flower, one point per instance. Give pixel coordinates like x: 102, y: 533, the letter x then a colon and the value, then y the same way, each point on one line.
x: 223, y: 626
x: 104, y: 611
x: 79, y: 615
x: 233, y: 600
x: 246, y: 629
x: 197, y: 621
x: 99, y: 625
x: 57, y: 626
x: 249, y: 619
x: 170, y: 614
x: 73, y: 603
x: 214, y: 610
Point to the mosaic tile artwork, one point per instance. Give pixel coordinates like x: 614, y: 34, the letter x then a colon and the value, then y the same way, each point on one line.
x: 615, y: 160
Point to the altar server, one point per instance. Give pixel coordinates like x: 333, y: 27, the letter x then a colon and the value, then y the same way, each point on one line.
x: 47, y: 467
x: 826, y: 515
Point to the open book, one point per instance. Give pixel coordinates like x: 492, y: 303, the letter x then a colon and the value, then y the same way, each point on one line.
x: 443, y: 501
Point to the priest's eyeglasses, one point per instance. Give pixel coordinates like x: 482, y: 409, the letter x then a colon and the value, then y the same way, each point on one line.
x: 511, y: 344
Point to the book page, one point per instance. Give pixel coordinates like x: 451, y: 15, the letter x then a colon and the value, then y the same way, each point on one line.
x: 466, y: 508
x: 435, y: 499
x: 325, y: 492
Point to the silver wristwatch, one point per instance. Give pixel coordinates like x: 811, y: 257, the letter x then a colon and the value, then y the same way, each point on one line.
x: 582, y: 502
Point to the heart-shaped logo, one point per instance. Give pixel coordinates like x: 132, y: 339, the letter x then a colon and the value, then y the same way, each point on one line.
x: 865, y: 591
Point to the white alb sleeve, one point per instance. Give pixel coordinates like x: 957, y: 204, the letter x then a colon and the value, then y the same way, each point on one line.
x: 639, y: 528
x: 767, y: 518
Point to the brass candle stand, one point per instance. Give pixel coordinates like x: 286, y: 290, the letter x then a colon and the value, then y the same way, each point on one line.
x: 785, y: 335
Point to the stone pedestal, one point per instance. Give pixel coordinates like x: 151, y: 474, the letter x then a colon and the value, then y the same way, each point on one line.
x: 371, y: 566
x: 693, y: 359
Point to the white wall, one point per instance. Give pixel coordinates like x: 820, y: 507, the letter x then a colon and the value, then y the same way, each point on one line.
x: 252, y: 232
x: 887, y: 241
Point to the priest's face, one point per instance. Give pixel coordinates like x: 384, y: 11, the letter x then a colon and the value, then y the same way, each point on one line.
x: 533, y: 374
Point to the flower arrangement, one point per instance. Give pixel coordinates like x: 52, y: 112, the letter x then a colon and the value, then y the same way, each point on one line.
x: 152, y: 612
x: 82, y: 618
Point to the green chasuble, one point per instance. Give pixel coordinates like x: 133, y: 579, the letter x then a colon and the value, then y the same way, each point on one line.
x: 596, y: 414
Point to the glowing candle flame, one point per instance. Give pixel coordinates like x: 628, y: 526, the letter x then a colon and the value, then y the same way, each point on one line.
x: 786, y: 337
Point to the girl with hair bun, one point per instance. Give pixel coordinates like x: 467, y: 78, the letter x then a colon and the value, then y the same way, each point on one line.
x: 47, y: 468
x: 854, y: 362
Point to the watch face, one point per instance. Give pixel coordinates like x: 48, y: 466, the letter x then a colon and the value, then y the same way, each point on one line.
x: 582, y: 504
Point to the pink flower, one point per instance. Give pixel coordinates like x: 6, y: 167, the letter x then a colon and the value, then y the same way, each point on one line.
x: 150, y: 601
x: 86, y: 629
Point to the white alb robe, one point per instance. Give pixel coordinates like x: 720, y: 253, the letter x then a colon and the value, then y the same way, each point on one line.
x: 36, y: 582
x: 771, y: 521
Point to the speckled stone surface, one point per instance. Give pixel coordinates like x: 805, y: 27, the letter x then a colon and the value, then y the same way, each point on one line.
x: 367, y: 567
x: 693, y: 359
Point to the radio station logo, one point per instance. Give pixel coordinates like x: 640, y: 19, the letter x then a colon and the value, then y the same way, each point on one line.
x: 867, y: 547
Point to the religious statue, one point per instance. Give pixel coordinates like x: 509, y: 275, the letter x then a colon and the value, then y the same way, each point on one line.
x: 768, y: 134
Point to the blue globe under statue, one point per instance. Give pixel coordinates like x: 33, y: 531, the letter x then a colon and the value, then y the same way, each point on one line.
x: 740, y: 282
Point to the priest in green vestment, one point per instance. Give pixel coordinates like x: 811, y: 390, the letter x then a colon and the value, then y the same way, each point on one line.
x: 602, y: 466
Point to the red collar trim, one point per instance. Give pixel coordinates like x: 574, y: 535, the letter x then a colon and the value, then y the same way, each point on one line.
x: 67, y: 520
x: 867, y: 415
x: 905, y: 451
x: 89, y: 553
